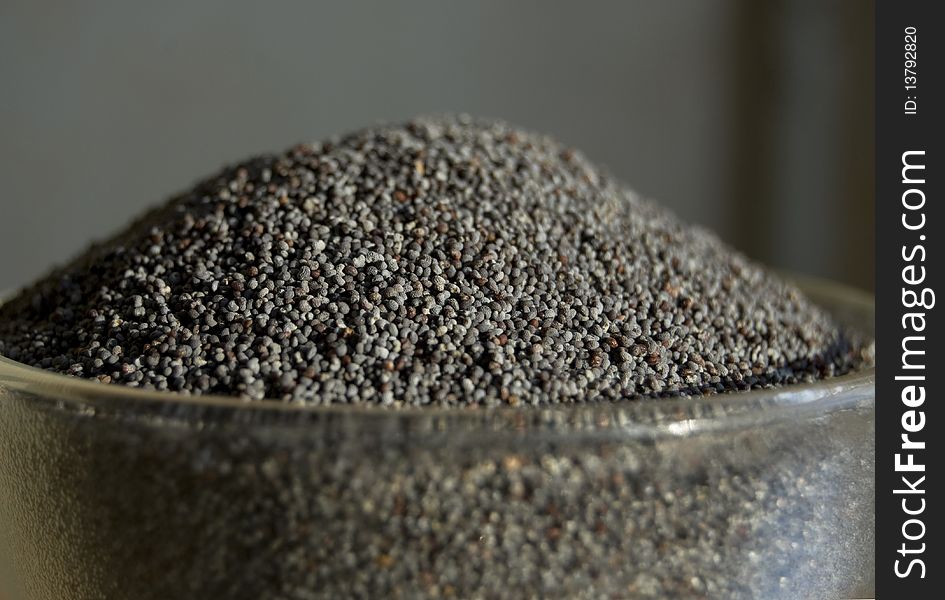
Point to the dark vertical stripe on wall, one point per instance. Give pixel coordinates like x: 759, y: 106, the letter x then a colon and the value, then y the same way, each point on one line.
x: 801, y: 161
x: 755, y: 36
x: 856, y: 169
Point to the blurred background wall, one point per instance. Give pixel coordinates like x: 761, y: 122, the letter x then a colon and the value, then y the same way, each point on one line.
x: 752, y: 118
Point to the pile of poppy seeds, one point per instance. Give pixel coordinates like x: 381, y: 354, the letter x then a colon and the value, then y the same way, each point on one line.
x: 447, y: 262
x: 444, y: 262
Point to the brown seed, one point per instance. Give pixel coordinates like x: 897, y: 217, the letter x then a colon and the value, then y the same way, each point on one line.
x: 385, y: 561
x: 512, y: 462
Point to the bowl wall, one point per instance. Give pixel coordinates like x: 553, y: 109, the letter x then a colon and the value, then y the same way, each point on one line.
x: 112, y: 493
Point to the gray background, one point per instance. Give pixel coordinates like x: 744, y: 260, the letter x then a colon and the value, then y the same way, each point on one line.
x: 753, y: 118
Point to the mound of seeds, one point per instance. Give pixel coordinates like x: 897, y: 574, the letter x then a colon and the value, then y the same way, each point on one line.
x: 445, y: 261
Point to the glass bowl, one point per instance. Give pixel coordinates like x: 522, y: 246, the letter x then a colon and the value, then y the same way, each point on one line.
x: 109, y: 492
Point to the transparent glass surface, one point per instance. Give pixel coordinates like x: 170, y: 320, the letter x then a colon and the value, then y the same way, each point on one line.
x: 109, y: 492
